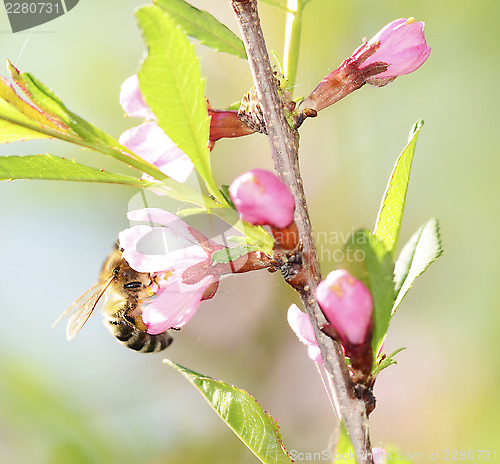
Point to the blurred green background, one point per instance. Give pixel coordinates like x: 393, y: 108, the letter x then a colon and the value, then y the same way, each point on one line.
x: 93, y: 401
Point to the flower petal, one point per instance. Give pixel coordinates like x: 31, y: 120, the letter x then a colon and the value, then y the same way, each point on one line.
x: 150, y: 142
x: 132, y: 100
x: 176, y: 253
x: 175, y: 305
x: 301, y: 324
x: 402, y: 47
x: 163, y: 218
x: 378, y: 455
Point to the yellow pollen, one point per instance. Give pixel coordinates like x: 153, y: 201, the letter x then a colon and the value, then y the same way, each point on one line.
x: 410, y: 20
x: 350, y: 280
x: 335, y: 288
x: 167, y: 274
x: 254, y: 180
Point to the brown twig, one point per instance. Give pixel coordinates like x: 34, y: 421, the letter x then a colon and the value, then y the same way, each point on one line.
x: 284, y: 142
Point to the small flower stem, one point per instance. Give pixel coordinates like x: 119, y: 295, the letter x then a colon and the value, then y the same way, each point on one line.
x: 284, y: 143
x: 292, y: 41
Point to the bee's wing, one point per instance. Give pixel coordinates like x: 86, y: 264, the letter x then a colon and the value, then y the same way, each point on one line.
x: 85, y: 309
x: 75, y: 303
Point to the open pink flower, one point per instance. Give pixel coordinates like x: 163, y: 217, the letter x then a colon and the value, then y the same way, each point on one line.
x: 301, y: 324
x: 185, y: 252
x: 262, y: 198
x: 148, y: 140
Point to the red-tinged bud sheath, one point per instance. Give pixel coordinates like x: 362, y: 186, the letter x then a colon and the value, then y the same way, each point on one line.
x: 262, y: 198
x: 226, y: 124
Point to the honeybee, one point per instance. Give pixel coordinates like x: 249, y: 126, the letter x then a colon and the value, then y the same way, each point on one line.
x: 123, y: 290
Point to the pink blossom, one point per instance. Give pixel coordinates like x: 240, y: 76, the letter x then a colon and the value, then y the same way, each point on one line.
x: 175, y: 300
x: 132, y: 101
x: 301, y: 324
x: 347, y: 304
x: 148, y: 140
x: 402, y: 47
x: 262, y: 198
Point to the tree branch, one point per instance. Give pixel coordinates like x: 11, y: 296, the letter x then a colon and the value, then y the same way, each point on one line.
x: 284, y: 142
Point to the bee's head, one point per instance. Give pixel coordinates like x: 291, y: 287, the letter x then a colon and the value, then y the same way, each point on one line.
x: 131, y: 280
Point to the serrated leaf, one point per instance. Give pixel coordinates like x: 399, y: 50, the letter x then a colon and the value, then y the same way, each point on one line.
x: 14, y: 108
x: 13, y: 125
x: 46, y: 99
x: 423, y: 248
x: 203, y: 26
x: 367, y: 259
x: 48, y: 167
x: 241, y: 412
x: 45, y: 116
x: 170, y: 81
x: 16, y: 113
x: 390, y: 216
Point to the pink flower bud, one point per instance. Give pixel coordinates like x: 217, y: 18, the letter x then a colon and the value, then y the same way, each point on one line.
x: 398, y: 48
x: 348, y: 306
x: 262, y: 199
x: 402, y: 47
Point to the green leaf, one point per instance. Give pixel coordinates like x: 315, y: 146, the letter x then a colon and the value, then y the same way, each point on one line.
x: 344, y: 446
x: 390, y: 216
x: 423, y: 248
x: 367, y: 259
x: 16, y: 113
x: 387, y: 361
x: 230, y: 254
x: 46, y: 116
x: 203, y: 26
x: 170, y: 81
x: 224, y: 189
x: 44, y: 98
x: 246, y: 418
x: 48, y: 167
